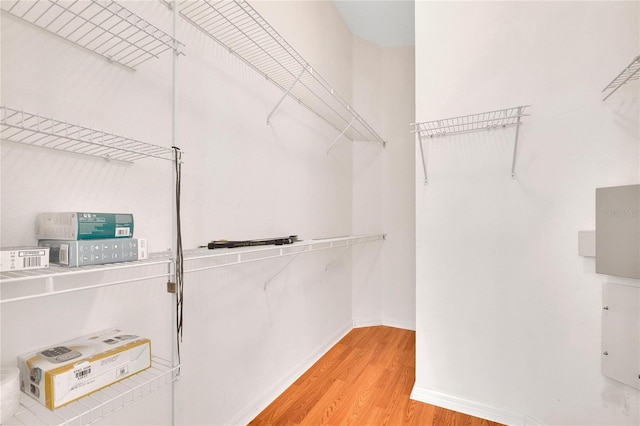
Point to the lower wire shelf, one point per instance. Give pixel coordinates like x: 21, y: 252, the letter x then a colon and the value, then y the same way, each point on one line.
x: 101, y: 404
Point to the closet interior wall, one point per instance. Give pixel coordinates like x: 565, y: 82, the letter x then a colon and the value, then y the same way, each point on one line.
x: 508, y: 314
x: 241, y: 179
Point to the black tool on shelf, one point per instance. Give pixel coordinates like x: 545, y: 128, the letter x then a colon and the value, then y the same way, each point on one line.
x: 249, y: 243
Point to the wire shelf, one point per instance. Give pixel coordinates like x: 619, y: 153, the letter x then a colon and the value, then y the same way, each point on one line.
x: 28, y: 284
x: 470, y: 123
x: 102, y: 26
x: 239, y: 28
x: 33, y: 129
x: 220, y: 258
x: 99, y: 405
x: 630, y: 73
x: 497, y: 119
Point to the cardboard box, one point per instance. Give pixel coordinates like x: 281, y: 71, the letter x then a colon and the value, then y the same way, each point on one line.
x: 20, y: 258
x: 95, y: 252
x: 83, y: 226
x: 59, y: 374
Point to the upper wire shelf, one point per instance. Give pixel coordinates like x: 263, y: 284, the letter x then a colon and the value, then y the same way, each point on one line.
x: 237, y: 26
x: 33, y: 129
x: 631, y: 72
x: 497, y: 119
x: 469, y: 123
x: 102, y: 26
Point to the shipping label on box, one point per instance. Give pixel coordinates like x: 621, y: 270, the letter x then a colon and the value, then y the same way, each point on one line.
x: 62, y: 373
x: 95, y: 252
x: 83, y: 226
x: 19, y: 258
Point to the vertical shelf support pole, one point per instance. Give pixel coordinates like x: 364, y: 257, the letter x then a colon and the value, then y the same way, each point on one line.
x: 285, y: 95
x: 515, y: 146
x: 174, y: 252
x: 340, y: 135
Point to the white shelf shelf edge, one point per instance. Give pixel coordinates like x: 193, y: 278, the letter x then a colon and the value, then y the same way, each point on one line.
x: 237, y: 256
x: 44, y: 281
x: 490, y: 120
x: 33, y: 129
x: 99, y: 405
x: 238, y: 27
x: 630, y: 73
x: 101, y: 26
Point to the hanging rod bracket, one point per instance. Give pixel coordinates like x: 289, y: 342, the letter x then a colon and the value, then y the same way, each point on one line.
x: 340, y: 135
x: 285, y: 95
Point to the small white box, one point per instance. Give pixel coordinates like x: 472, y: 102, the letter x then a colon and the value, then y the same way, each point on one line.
x: 59, y: 374
x: 19, y: 258
x: 587, y: 243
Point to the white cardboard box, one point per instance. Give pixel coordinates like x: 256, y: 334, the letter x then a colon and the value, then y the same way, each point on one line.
x: 59, y: 374
x: 19, y: 258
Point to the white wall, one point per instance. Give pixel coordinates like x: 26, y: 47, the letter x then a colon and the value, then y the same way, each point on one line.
x: 383, y: 194
x: 241, y: 179
x: 508, y: 315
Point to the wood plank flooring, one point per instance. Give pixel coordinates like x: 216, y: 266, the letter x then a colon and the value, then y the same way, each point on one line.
x: 365, y: 379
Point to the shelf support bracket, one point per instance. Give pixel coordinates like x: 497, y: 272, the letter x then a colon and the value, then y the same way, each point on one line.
x: 424, y: 162
x: 285, y: 95
x: 340, y: 135
x: 515, y: 145
x: 266, y: 283
x: 632, y: 72
x: 337, y: 257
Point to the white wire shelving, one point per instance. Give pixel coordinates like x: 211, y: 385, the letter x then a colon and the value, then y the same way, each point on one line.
x: 205, y: 259
x: 28, y: 284
x: 241, y: 29
x: 490, y: 120
x: 33, y: 129
x: 630, y: 73
x: 99, y: 405
x: 101, y: 26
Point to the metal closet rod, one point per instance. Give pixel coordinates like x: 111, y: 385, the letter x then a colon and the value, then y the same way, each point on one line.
x: 631, y: 72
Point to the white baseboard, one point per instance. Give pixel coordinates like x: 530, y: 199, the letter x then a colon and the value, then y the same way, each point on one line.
x: 407, y: 325
x: 472, y: 408
x: 366, y: 322
x: 269, y: 395
x: 389, y: 322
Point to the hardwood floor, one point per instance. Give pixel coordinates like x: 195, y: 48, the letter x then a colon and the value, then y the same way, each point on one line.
x: 365, y: 379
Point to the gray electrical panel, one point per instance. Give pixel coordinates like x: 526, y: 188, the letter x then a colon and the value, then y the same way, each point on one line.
x: 618, y: 231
